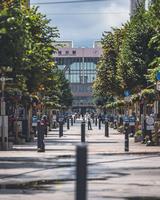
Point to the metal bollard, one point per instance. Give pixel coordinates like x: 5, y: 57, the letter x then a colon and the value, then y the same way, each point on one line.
x: 106, y: 129
x: 68, y: 123
x: 60, y: 128
x: 74, y: 119
x: 83, y: 131
x: 81, y: 172
x: 96, y: 121
x: 126, y: 138
x: 40, y: 138
x: 99, y: 123
x: 71, y: 121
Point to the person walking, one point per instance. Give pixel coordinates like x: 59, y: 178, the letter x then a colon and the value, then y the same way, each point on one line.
x: 89, y: 121
x: 44, y: 124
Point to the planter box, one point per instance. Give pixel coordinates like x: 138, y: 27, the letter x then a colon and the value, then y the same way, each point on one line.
x: 138, y: 138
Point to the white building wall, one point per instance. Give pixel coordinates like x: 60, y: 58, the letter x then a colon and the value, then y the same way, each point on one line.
x: 133, y: 6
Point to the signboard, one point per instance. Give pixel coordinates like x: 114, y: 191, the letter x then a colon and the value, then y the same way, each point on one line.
x: 158, y: 85
x: 149, y: 123
x: 34, y: 121
x: 127, y: 99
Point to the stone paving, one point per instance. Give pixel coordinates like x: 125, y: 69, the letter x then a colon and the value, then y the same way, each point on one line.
x: 27, y: 174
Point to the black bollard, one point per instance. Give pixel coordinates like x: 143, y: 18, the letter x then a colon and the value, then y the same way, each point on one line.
x: 74, y: 119
x: 83, y: 131
x: 99, y: 124
x: 106, y: 129
x: 68, y: 123
x: 96, y: 121
x: 81, y: 172
x: 71, y: 121
x: 126, y: 137
x: 40, y: 138
x: 93, y: 120
x: 60, y: 128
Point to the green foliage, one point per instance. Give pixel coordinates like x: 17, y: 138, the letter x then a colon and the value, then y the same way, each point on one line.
x: 148, y: 94
x: 154, y: 14
x: 116, y: 104
x: 65, y: 95
x: 139, y: 133
x: 135, y: 55
x: 106, y: 83
x: 27, y: 45
x: 135, y: 98
x: 131, y: 55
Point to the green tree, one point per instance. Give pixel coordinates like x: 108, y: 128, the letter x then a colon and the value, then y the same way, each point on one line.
x: 27, y: 43
x: 65, y: 95
x: 106, y: 83
x: 154, y: 14
x: 135, y: 54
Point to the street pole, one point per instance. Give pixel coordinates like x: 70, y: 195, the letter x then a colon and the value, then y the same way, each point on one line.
x: 3, y: 118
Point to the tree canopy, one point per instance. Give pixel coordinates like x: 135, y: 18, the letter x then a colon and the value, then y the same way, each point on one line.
x: 27, y: 46
x: 128, y: 55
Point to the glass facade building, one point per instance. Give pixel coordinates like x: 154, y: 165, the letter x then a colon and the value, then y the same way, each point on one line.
x: 79, y: 66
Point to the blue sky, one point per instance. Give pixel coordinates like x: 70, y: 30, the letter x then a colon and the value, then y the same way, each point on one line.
x: 85, y: 22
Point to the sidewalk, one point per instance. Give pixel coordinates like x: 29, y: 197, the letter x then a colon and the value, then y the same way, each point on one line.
x: 96, y: 140
x: 24, y: 166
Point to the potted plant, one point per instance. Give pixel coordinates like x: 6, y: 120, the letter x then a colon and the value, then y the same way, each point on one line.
x: 138, y: 137
x: 121, y: 129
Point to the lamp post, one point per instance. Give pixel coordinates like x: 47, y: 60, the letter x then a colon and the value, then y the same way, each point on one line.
x: 3, y: 117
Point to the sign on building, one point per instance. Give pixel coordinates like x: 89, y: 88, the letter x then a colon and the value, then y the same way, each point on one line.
x: 149, y: 123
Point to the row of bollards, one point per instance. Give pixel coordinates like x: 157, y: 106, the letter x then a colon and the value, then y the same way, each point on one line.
x: 40, y: 133
x: 81, y: 160
x: 81, y: 153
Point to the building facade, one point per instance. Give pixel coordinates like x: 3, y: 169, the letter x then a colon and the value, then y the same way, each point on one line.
x: 79, y: 66
x: 133, y: 6
x: 135, y: 3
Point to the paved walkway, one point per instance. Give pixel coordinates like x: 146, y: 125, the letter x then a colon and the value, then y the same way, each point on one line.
x: 24, y: 167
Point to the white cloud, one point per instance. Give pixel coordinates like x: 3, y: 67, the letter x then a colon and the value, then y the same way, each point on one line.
x: 85, y: 28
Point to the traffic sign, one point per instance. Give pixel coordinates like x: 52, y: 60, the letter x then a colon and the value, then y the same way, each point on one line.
x: 126, y: 93
x: 150, y: 120
x: 150, y: 123
x: 158, y: 75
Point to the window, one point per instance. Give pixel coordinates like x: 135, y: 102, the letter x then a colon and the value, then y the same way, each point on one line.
x: 67, y: 52
x: 59, y: 52
x: 74, y: 52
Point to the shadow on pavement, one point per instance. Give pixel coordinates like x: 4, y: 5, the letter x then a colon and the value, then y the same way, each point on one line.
x: 142, y: 198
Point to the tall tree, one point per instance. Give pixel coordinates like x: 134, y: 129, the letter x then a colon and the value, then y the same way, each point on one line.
x: 106, y: 83
x: 154, y: 15
x: 135, y: 55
